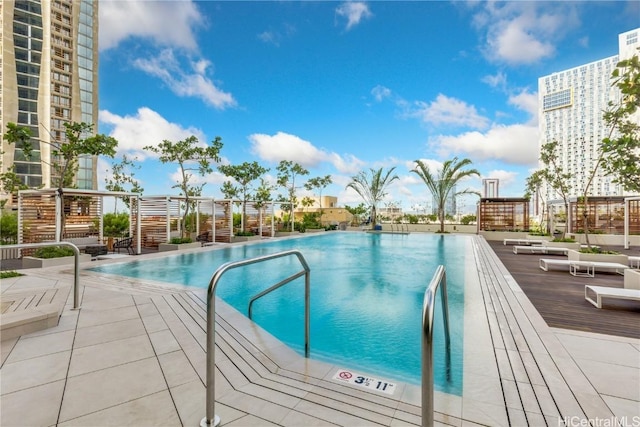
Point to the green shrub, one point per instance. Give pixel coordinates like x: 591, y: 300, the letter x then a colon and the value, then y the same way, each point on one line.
x: 564, y: 240
x: 243, y: 233
x: 8, y: 227
x: 180, y: 240
x: 597, y: 250
x: 8, y: 274
x: 53, y: 252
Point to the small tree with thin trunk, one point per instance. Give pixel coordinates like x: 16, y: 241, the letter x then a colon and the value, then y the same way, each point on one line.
x: 442, y: 183
x: 318, y: 183
x: 244, y: 174
x: 372, y: 187
x: 123, y: 179
x: 190, y: 156
x: 78, y: 141
x: 287, y: 173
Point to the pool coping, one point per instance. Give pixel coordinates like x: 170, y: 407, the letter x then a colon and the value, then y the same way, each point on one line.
x: 516, y: 370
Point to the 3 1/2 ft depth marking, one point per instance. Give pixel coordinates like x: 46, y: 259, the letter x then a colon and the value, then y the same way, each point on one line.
x: 350, y: 377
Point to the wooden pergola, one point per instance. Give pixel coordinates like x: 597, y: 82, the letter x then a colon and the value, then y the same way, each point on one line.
x: 48, y: 215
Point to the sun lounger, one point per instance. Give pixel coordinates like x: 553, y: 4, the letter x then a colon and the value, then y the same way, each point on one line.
x: 607, y: 292
x: 582, y: 268
x: 540, y: 249
x: 522, y: 242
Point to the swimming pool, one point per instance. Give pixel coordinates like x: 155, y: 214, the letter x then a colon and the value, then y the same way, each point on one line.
x: 367, y: 292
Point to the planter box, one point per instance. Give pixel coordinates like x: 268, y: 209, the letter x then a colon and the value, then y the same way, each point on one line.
x: 33, y: 262
x: 579, y: 256
x: 315, y: 230
x: 236, y: 239
x: 165, y: 247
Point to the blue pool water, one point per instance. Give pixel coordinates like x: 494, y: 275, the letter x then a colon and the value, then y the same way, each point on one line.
x: 367, y: 292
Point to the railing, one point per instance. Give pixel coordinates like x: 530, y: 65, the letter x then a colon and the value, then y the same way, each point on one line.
x: 211, y: 419
x: 76, y: 262
x: 428, y: 308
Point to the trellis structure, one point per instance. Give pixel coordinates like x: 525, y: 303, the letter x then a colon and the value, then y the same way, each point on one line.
x: 45, y: 215
x: 606, y: 215
x: 503, y: 214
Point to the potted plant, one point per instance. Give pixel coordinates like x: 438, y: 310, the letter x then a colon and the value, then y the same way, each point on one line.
x: 178, y: 244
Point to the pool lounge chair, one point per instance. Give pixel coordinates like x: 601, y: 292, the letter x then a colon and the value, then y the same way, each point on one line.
x: 540, y: 249
x: 630, y: 290
x: 522, y: 242
x: 583, y: 268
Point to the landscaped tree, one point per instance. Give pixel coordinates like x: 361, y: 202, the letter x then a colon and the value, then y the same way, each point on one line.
x: 79, y: 140
x: 287, y: 172
x: 357, y: 211
x: 621, y: 148
x: 318, y: 184
x: 190, y: 156
x: 442, y: 183
x: 123, y: 179
x: 552, y: 174
x: 244, y: 174
x: 372, y: 186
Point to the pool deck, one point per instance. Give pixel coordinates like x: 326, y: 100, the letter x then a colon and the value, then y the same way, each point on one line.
x: 134, y: 354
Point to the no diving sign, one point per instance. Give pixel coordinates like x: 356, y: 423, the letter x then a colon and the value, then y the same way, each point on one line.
x: 347, y: 376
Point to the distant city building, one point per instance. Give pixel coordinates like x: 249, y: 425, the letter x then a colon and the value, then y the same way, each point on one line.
x: 49, y: 76
x: 490, y: 187
x: 571, y: 105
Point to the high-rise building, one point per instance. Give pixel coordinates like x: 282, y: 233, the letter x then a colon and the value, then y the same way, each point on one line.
x: 571, y: 105
x: 48, y: 76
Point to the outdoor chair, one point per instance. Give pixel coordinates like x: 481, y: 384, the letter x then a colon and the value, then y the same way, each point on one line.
x: 203, y: 238
x: 126, y: 243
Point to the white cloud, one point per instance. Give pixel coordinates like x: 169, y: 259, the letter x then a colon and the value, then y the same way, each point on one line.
x: 449, y: 111
x: 524, y: 32
x: 497, y: 81
x: 380, y: 93
x: 167, y: 23
x: 517, y: 144
x: 146, y: 127
x: 284, y: 146
x: 528, y: 102
x: 505, y: 178
x: 354, y: 11
x: 184, y: 83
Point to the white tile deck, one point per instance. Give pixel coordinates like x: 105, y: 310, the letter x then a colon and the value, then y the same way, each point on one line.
x: 134, y: 354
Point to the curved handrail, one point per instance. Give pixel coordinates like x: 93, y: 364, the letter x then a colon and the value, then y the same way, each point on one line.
x: 428, y: 308
x: 76, y: 262
x: 211, y: 419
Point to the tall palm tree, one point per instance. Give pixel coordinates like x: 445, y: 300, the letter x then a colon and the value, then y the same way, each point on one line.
x: 371, y: 187
x: 444, y: 182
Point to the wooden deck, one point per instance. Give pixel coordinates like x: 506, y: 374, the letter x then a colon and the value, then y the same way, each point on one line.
x: 559, y: 296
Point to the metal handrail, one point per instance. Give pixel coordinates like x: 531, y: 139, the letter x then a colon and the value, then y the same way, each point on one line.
x: 211, y: 419
x: 428, y: 307
x: 76, y: 261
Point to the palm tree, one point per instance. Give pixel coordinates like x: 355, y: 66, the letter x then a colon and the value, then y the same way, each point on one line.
x: 371, y: 187
x: 444, y: 182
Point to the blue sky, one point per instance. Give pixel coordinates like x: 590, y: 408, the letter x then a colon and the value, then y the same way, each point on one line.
x: 341, y: 87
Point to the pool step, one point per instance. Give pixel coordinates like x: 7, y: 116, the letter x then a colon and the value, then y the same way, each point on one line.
x: 280, y: 387
x: 24, y: 312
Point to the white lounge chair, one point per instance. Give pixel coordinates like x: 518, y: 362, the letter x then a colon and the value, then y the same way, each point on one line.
x: 583, y: 268
x: 607, y: 292
x: 634, y: 261
x: 540, y: 249
x: 522, y: 242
